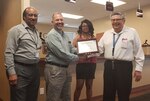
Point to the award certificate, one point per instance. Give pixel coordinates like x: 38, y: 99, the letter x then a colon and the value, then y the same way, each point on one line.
x: 87, y: 46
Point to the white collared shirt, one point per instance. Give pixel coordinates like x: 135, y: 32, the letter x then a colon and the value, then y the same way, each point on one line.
x: 128, y: 47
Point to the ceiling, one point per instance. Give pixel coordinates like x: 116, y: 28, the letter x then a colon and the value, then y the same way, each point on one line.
x: 85, y: 8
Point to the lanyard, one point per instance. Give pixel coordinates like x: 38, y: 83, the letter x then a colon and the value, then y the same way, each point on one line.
x: 35, y: 39
x: 114, y: 43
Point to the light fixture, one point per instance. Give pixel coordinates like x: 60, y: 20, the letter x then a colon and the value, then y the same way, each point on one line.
x: 115, y: 2
x: 109, y: 6
x: 71, y: 16
x: 70, y: 26
x: 71, y: 1
x: 139, y: 12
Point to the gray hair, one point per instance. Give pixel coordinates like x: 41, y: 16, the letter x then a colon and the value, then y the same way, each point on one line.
x: 118, y: 13
x: 55, y: 14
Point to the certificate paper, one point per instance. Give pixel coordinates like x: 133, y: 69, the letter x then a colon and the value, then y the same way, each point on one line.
x: 87, y: 46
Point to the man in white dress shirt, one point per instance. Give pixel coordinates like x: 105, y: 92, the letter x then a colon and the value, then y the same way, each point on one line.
x: 120, y: 45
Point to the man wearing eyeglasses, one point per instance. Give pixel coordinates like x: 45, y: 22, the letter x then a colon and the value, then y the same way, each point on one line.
x: 121, y: 46
x: 22, y: 57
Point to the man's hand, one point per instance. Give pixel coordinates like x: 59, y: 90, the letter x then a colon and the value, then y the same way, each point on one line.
x: 13, y: 79
x: 137, y: 75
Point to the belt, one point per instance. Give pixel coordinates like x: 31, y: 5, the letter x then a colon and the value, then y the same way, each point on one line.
x: 25, y: 64
x: 115, y: 60
x: 56, y: 64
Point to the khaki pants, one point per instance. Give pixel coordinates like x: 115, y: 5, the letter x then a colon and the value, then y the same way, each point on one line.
x: 58, y: 83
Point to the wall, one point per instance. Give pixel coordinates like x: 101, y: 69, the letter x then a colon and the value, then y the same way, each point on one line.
x: 45, y: 28
x: 141, y: 24
x: 10, y: 16
x: 101, y: 25
x: 98, y: 81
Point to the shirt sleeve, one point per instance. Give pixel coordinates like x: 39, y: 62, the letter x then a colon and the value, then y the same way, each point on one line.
x: 56, y: 46
x: 11, y: 47
x: 101, y: 45
x: 138, y: 53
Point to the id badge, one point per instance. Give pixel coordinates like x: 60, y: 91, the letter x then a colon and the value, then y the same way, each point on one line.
x: 124, y: 43
x: 37, y: 54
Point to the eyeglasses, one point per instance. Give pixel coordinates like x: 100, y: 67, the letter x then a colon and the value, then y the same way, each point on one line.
x: 35, y: 15
x: 85, y: 26
x: 113, y: 20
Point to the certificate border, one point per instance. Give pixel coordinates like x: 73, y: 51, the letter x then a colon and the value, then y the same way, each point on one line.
x: 88, y: 40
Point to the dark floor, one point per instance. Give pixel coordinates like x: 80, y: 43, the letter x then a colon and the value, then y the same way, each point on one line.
x: 138, y: 94
x: 145, y: 97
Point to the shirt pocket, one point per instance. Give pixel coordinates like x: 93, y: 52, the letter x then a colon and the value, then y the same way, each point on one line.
x: 124, y: 43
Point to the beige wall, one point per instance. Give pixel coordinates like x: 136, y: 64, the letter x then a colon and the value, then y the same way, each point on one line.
x: 141, y: 24
x: 101, y: 25
x: 97, y: 84
x: 10, y: 16
x: 45, y: 28
x: 98, y: 81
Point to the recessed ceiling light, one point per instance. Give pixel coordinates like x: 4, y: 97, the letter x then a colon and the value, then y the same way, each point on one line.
x: 71, y: 16
x: 115, y: 2
x: 71, y: 26
x: 71, y: 1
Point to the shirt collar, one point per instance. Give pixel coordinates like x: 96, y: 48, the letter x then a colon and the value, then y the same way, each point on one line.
x: 27, y: 27
x: 60, y: 32
x: 122, y: 31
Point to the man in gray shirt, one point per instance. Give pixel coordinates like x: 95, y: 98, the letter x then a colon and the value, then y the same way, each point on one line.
x: 59, y: 55
x: 22, y: 57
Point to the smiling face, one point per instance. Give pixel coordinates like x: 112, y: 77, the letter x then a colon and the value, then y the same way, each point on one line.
x: 30, y: 16
x: 85, y: 28
x: 58, y: 21
x: 117, y: 22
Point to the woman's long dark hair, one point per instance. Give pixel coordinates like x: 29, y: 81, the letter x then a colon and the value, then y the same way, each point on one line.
x: 90, y: 26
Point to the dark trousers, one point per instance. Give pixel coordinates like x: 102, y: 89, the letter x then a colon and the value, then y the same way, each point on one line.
x: 117, y: 80
x: 27, y: 83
